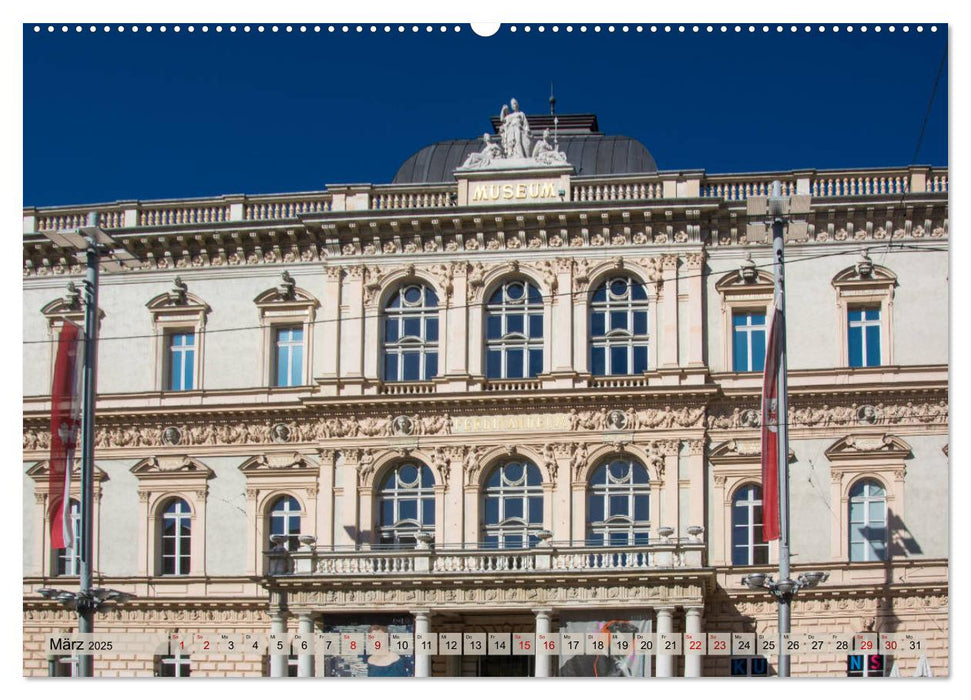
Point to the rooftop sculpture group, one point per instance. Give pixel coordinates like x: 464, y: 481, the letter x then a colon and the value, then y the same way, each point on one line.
x: 514, y: 149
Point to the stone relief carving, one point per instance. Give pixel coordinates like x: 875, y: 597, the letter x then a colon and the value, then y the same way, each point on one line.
x: 630, y: 419
x: 825, y: 415
x: 365, y: 466
x: 214, y: 430
x: 578, y: 461
x: 472, y: 463
x: 440, y: 463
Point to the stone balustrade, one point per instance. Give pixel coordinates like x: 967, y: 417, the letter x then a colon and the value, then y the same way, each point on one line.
x: 666, y: 554
x: 653, y: 186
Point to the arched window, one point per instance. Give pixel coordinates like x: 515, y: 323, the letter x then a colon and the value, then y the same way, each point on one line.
x: 868, y: 521
x: 619, y: 504
x: 513, y: 506
x: 514, y: 331
x: 176, y: 535
x: 618, y: 327
x: 406, y: 504
x: 67, y: 561
x: 285, y: 520
x: 411, y: 334
x: 748, y: 548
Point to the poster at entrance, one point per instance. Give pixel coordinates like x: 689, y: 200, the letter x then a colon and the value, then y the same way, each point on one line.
x: 376, y: 665
x: 606, y: 665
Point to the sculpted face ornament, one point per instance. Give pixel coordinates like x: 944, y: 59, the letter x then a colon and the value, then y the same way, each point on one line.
x: 867, y: 414
x: 403, y: 425
x: 171, y: 435
x: 616, y: 420
x: 280, y: 433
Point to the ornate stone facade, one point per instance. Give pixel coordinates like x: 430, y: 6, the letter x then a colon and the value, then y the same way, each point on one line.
x: 251, y: 457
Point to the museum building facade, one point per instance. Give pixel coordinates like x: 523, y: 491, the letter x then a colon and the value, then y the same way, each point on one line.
x: 517, y: 389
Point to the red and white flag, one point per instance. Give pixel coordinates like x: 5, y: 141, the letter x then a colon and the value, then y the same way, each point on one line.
x: 65, y: 426
x: 770, y: 429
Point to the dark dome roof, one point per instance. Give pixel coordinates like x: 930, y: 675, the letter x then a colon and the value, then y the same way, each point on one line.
x: 590, y: 154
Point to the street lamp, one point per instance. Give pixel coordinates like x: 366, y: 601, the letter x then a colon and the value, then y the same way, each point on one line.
x: 91, y: 601
x: 785, y: 589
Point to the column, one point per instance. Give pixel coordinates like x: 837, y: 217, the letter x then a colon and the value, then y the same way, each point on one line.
x: 305, y: 662
x: 452, y: 506
x: 543, y: 661
x: 694, y: 264
x: 330, y: 324
x: 352, y: 325
x: 692, y: 623
x: 562, y: 314
x: 456, y: 327
x: 696, y: 474
x: 669, y: 312
x: 664, y: 623
x: 423, y: 662
x: 671, y: 489
x: 278, y: 625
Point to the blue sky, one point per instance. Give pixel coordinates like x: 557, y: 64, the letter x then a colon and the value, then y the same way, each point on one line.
x: 178, y: 115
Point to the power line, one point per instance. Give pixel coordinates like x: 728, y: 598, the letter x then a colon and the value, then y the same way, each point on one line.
x: 900, y: 248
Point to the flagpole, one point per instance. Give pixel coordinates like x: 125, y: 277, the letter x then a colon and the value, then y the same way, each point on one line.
x: 777, y: 211
x: 85, y: 602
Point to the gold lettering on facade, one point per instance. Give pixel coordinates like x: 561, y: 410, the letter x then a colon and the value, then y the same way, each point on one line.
x: 513, y: 191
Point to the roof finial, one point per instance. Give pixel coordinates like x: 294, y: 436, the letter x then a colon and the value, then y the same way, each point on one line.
x: 556, y: 120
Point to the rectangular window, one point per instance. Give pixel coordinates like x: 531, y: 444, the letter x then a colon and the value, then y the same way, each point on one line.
x: 412, y: 367
x: 535, y: 363
x: 514, y: 363
x: 289, y: 357
x: 181, y: 360
x: 863, y: 335
x: 748, y: 341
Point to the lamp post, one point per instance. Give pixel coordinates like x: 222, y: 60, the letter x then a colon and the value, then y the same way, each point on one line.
x: 91, y: 241
x: 784, y: 590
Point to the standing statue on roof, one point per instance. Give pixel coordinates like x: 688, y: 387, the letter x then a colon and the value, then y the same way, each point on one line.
x: 514, y: 131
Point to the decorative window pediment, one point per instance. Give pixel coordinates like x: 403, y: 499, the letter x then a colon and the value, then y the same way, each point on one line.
x: 179, y: 322
x: 866, y: 292
x: 855, y: 447
x: 282, y: 464
x: 739, y: 452
x: 286, y: 296
x: 165, y: 467
x: 40, y: 473
x: 746, y: 298
x: 269, y: 477
x: 865, y: 275
x: 286, y: 317
x: 161, y: 481
x: 69, y: 307
x: 877, y: 464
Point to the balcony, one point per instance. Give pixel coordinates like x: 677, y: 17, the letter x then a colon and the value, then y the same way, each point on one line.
x: 667, y: 554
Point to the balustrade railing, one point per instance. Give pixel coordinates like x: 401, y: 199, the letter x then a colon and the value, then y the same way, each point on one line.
x: 619, y: 188
x: 189, y: 214
x: 267, y: 210
x: 382, y: 198
x: 665, y: 554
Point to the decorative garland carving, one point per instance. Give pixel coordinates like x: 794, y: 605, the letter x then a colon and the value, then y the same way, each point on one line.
x: 824, y: 415
x: 631, y: 419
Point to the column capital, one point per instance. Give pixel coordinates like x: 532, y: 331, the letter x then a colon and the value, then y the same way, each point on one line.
x: 542, y: 611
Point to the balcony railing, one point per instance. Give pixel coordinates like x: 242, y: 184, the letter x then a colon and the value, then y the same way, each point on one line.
x: 666, y: 554
x: 649, y: 186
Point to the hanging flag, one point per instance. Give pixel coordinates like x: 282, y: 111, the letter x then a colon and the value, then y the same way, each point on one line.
x: 770, y: 429
x: 65, y: 426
